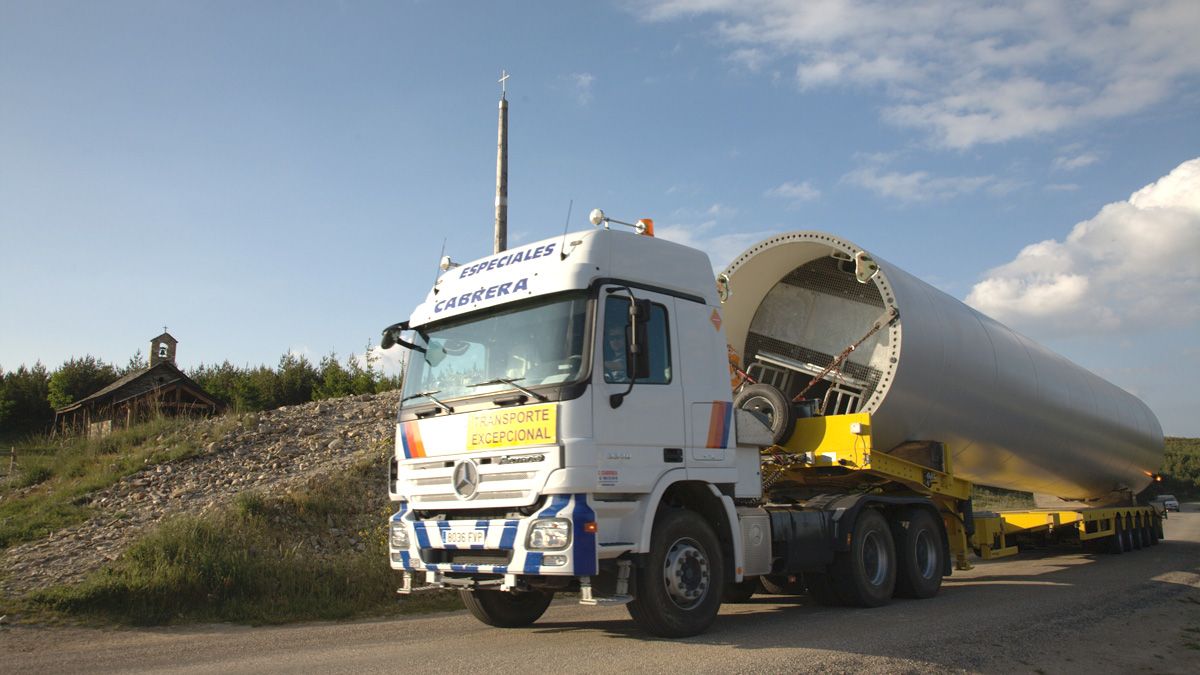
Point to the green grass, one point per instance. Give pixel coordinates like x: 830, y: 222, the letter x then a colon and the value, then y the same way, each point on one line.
x: 252, y: 562
x: 47, y: 491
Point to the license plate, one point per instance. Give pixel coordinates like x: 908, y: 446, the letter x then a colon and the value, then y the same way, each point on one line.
x: 464, y: 537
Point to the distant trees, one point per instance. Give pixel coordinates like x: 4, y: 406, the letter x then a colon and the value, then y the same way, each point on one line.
x: 29, y: 395
x: 78, y: 378
x: 24, y: 406
x: 295, y: 380
x: 1181, y: 466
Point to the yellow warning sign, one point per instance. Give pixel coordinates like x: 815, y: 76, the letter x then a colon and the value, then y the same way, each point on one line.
x: 532, y: 425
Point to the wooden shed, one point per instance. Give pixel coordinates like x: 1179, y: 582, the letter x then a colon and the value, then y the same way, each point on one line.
x: 159, y: 389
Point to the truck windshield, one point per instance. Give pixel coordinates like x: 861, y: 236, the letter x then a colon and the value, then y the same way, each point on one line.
x: 534, y: 344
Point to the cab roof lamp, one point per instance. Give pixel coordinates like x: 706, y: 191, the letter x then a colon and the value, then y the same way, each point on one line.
x: 644, y: 226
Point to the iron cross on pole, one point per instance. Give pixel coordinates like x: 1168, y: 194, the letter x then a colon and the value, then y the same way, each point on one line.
x: 503, y: 86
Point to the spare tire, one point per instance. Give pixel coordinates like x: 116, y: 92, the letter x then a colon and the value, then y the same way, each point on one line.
x: 771, y: 406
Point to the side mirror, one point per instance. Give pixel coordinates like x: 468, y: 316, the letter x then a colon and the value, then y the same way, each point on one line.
x: 394, y: 335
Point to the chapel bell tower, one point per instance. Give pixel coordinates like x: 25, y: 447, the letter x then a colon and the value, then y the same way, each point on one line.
x: 162, y: 348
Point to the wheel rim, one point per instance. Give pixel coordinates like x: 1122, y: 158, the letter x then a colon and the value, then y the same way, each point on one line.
x: 926, y: 553
x: 875, y: 560
x: 686, y: 573
x: 761, y: 405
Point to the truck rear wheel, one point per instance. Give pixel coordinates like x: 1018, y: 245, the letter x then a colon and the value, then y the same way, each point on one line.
x: 678, y: 592
x: 920, y: 554
x: 771, y: 406
x: 865, y: 576
x: 506, y: 610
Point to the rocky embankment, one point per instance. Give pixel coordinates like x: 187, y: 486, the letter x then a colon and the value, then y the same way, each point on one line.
x: 267, y: 451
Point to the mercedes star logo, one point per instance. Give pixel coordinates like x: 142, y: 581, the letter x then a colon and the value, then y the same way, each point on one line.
x: 466, y: 479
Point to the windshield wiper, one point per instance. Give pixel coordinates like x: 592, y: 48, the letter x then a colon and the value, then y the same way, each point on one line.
x: 512, y: 381
x: 429, y: 395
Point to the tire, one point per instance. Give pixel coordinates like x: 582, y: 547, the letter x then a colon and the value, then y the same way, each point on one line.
x: 782, y: 584
x: 1117, y: 543
x: 1135, y: 532
x: 769, y: 404
x: 678, y: 591
x: 506, y: 610
x: 919, y: 554
x: 865, y: 576
x: 740, y: 591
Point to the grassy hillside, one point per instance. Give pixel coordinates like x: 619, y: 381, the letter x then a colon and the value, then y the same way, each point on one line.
x: 44, y: 482
x: 318, y: 552
x: 309, y: 547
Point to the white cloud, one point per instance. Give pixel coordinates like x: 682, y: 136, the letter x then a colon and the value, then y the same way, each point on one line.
x: 749, y: 58
x: 720, y: 245
x: 583, y: 87
x: 917, y: 186
x: 390, y: 362
x: 795, y: 192
x: 965, y: 71
x: 1072, y: 162
x: 1061, y: 187
x: 1134, y: 265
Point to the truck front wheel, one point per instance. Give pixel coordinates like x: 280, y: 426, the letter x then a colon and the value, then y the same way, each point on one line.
x: 678, y: 592
x: 506, y: 610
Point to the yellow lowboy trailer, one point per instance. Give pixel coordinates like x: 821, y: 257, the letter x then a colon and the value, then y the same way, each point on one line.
x: 835, y: 453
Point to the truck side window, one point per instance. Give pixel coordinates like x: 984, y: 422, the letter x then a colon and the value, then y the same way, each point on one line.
x: 616, y: 336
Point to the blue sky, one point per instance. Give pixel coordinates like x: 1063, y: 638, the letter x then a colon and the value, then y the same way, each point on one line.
x: 265, y: 177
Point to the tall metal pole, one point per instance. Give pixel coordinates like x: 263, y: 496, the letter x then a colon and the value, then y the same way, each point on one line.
x: 502, y: 171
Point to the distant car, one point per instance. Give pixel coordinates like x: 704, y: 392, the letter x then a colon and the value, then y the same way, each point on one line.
x: 1168, y: 502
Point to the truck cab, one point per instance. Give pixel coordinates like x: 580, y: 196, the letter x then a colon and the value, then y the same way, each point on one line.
x: 564, y: 404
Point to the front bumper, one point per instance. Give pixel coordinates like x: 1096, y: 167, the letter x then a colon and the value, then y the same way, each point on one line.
x: 497, y: 547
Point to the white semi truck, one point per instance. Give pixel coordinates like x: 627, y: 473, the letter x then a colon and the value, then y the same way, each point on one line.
x: 597, y: 414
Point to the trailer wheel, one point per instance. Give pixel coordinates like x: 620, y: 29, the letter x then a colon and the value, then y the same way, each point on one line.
x: 920, y: 554
x: 865, y: 576
x: 506, y: 610
x: 1135, y: 531
x: 1152, y: 530
x: 740, y: 591
x: 678, y: 592
x: 1117, y: 540
x: 771, y: 405
x: 783, y: 584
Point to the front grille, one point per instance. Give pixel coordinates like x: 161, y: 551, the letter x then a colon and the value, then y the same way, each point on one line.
x: 431, y: 482
x: 466, y: 556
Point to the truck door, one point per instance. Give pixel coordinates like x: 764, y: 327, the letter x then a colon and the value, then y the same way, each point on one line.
x: 644, y: 436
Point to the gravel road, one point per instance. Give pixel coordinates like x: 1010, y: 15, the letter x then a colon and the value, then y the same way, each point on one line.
x: 1052, y: 612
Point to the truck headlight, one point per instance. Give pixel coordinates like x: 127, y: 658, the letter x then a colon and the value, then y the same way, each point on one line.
x: 399, y: 536
x: 549, y: 534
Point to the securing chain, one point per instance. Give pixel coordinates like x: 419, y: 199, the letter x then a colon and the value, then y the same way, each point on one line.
x: 884, y: 320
